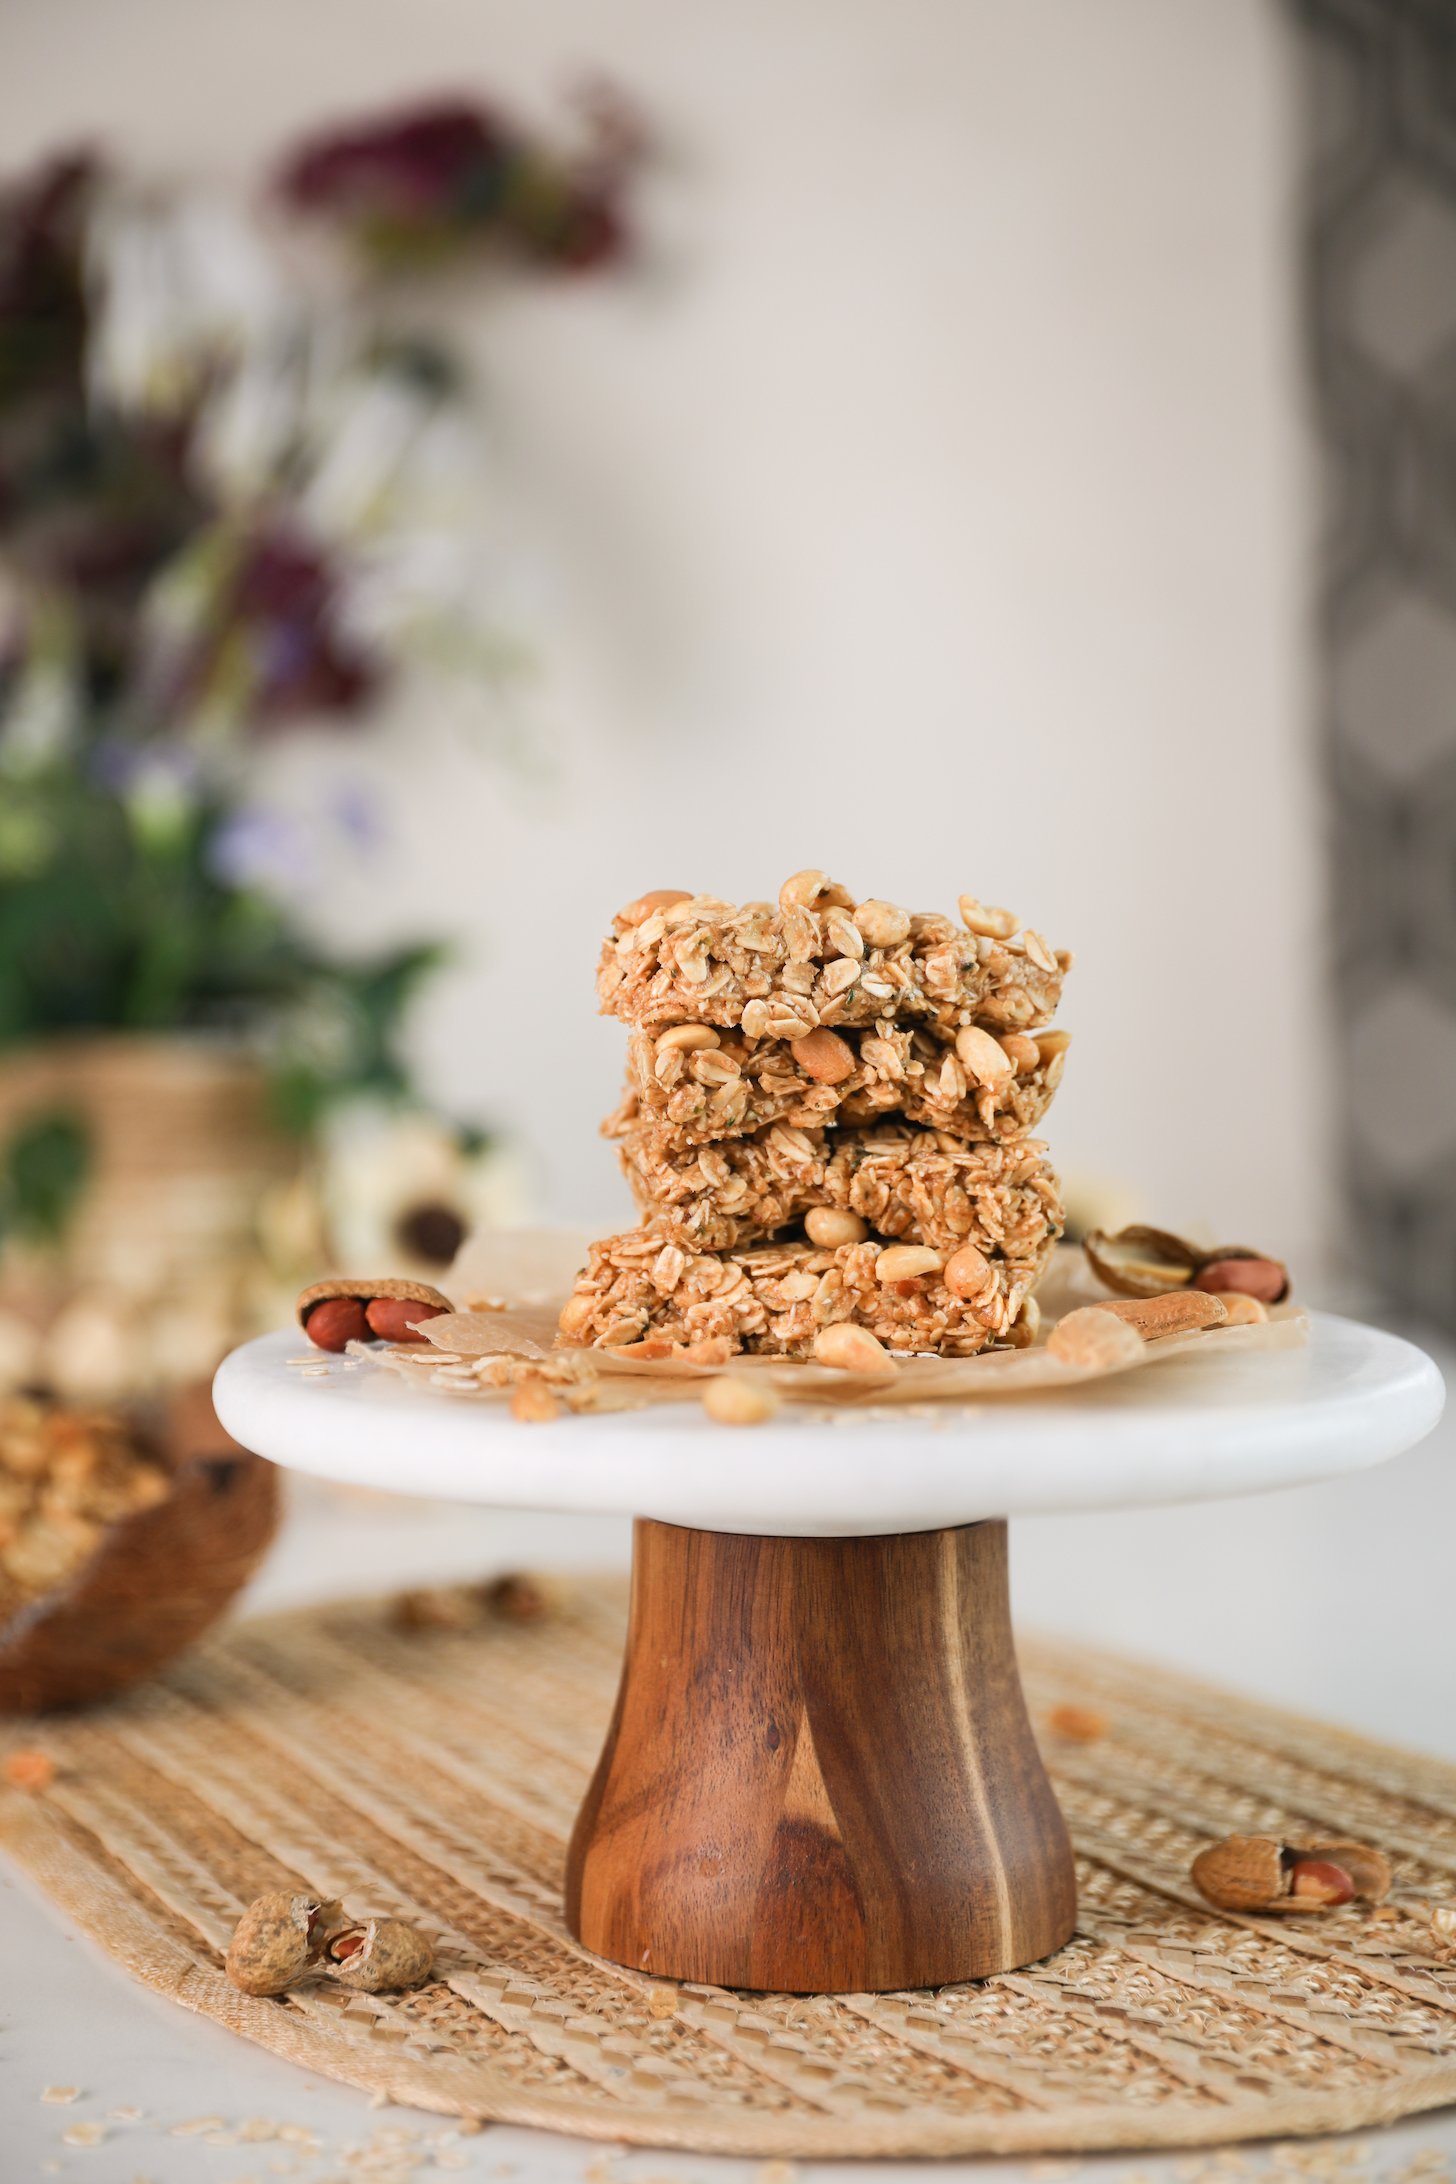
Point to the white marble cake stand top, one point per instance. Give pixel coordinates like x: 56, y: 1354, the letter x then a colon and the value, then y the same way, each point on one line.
x: 1187, y: 1429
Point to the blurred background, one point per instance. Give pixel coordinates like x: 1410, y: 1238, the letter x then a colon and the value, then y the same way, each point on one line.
x: 463, y: 465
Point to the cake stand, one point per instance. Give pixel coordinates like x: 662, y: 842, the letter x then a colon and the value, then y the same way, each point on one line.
x: 819, y: 1776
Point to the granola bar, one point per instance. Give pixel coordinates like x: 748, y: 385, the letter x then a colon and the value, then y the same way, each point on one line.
x: 694, y: 1083
x: 820, y: 958
x: 775, y: 1298
x: 922, y: 1186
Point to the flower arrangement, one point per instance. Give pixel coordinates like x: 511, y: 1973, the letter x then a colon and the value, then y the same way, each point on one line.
x: 220, y: 523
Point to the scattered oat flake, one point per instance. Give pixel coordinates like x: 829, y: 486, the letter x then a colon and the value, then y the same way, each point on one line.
x: 84, y: 2134
x: 127, y: 2114
x: 60, y: 2093
x: 197, y: 2124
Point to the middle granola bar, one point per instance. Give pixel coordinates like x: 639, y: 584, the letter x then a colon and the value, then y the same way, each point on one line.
x: 920, y: 1186
x: 699, y: 1083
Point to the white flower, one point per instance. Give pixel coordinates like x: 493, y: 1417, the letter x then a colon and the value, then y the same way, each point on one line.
x: 401, y: 1192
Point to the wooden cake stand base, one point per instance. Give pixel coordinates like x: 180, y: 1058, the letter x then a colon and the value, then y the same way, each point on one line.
x: 820, y: 1776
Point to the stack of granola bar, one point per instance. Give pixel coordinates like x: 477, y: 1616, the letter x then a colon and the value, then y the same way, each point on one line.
x: 825, y: 1121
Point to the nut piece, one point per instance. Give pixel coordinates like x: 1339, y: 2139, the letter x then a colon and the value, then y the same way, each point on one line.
x: 520, y: 1596
x: 327, y: 1330
x: 1023, y: 1054
x: 1180, y: 1312
x: 906, y: 1263
x: 337, y: 1322
x: 983, y: 1058
x: 1369, y: 1869
x: 824, y: 1056
x: 393, y: 1319
x: 1255, y: 1873
x: 1077, y: 1724
x: 656, y: 898
x: 276, y: 1940
x: 1320, y: 1881
x: 881, y: 924
x: 1266, y: 1280
x: 1094, y: 1341
x: 735, y: 1400
x: 852, y: 1349
x: 1241, y: 1311
x: 984, y: 918
x: 809, y: 890
x: 380, y: 1957
x: 967, y: 1272
x: 533, y: 1404
x: 1242, y: 1873
x: 685, y: 1038
x: 830, y: 1226
x: 27, y: 1769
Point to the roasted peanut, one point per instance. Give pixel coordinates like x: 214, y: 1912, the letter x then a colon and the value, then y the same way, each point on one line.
x: 393, y: 1318
x: 852, y: 1349
x: 337, y: 1322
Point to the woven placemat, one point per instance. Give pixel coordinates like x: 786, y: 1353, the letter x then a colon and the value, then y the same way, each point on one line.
x: 436, y: 1774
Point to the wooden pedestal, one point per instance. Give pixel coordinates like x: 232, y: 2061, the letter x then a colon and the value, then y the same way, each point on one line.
x: 820, y: 1777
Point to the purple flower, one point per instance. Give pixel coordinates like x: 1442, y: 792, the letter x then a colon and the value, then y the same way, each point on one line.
x: 429, y: 178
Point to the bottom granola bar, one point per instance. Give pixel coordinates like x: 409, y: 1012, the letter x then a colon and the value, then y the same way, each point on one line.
x: 775, y: 1298
x: 901, y: 1182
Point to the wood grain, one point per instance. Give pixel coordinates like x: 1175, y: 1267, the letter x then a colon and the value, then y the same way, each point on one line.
x: 819, y: 1776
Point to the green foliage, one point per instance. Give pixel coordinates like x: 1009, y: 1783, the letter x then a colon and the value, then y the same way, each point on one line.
x: 42, y: 1171
x: 116, y: 914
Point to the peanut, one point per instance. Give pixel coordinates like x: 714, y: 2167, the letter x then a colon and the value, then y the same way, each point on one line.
x: 735, y: 1400
x: 830, y: 1226
x: 1077, y: 1724
x: 824, y: 1056
x: 984, y: 918
x: 685, y: 1038
x: 575, y: 1313
x: 1264, y: 1279
x: 393, y: 1318
x: 1319, y: 1881
x: 906, y: 1263
x: 656, y: 898
x: 1177, y: 1312
x: 983, y: 1058
x: 337, y: 1322
x: 807, y: 889
x: 1094, y: 1340
x: 533, y: 1404
x: 966, y: 1271
x: 881, y: 924
x: 1023, y: 1054
x: 1242, y: 1311
x: 852, y: 1349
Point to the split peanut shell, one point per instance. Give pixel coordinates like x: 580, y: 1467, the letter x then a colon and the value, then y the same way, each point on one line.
x: 380, y: 1957
x: 364, y: 1292
x: 277, y: 1939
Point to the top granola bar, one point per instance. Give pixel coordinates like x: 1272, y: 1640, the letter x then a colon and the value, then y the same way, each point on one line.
x: 822, y: 958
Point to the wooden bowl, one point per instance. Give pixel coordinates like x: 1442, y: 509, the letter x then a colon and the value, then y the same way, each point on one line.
x: 158, y: 1579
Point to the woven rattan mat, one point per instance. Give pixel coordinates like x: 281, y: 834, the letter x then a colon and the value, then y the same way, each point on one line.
x: 436, y: 1774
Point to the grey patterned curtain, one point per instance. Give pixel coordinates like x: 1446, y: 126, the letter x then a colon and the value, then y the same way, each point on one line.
x: 1380, y: 254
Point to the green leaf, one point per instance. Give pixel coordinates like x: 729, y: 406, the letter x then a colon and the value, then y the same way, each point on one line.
x: 43, y: 1171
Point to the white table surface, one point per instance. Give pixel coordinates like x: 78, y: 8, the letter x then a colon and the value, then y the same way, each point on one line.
x: 1346, y: 1607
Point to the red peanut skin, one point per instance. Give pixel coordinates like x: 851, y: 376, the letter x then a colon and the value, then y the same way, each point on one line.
x: 336, y: 1322
x: 1264, y: 1279
x: 391, y: 1318
x: 1321, y: 1881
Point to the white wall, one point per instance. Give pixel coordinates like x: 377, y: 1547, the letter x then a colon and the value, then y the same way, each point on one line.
x: 931, y: 512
